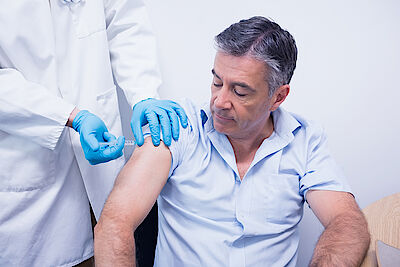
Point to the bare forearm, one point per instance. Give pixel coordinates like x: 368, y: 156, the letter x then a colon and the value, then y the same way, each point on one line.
x: 72, y: 117
x: 343, y: 243
x: 113, y: 246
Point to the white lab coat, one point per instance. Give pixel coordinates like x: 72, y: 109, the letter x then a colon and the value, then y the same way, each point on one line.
x: 53, y: 57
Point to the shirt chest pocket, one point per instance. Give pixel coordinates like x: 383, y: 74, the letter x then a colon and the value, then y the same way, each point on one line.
x: 276, y: 199
x: 88, y: 17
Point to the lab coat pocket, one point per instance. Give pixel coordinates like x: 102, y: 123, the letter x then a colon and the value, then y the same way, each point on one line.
x: 88, y: 17
x: 276, y: 199
x: 26, y: 166
x: 108, y: 109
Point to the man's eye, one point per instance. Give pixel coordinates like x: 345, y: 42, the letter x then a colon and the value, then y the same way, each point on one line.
x: 238, y: 94
x: 217, y: 84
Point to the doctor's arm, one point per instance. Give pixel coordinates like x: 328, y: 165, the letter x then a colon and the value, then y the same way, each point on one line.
x: 133, y: 57
x: 33, y: 112
x: 135, y: 191
x: 98, y: 144
x: 345, y: 239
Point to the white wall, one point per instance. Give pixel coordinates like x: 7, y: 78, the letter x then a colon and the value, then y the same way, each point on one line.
x: 346, y: 77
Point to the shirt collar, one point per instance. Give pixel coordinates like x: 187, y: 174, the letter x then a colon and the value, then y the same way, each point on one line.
x: 284, y: 126
x: 206, y: 118
x: 284, y: 123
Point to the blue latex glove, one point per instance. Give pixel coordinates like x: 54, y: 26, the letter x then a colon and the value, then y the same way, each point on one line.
x: 156, y: 112
x: 92, y: 130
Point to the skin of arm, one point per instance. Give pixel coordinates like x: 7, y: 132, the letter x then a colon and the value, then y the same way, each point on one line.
x: 135, y: 191
x: 72, y: 117
x: 345, y: 239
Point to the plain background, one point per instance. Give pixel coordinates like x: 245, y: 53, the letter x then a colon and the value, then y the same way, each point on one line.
x: 346, y: 78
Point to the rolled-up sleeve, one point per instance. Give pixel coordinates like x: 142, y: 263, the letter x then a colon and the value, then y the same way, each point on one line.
x: 322, y: 172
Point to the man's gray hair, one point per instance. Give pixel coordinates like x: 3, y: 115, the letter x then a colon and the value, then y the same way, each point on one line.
x: 263, y: 40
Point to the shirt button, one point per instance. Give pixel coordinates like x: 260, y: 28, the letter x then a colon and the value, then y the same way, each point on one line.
x: 237, y: 179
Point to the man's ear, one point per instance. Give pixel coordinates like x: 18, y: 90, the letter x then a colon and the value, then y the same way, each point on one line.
x: 279, y: 96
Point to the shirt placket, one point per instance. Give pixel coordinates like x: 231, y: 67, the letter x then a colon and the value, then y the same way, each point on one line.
x: 237, y: 255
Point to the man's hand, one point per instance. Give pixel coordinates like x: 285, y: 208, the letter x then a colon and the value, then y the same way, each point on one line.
x: 97, y: 143
x: 156, y: 112
x: 345, y: 239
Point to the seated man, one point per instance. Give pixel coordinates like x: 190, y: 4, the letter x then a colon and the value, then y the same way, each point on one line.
x: 231, y: 190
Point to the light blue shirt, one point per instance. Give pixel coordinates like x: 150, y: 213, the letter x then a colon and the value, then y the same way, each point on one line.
x: 209, y: 217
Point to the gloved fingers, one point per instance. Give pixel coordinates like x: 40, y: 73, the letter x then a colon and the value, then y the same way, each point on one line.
x: 109, y: 137
x: 181, y: 113
x: 97, y: 160
x: 174, y: 121
x: 121, y: 142
x: 154, y: 125
x: 91, y: 140
x: 107, y: 152
x: 114, y: 151
x: 156, y: 112
x: 93, y: 157
x: 137, y: 131
x: 165, y: 122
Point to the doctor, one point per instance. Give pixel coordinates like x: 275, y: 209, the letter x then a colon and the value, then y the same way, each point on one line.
x: 60, y: 62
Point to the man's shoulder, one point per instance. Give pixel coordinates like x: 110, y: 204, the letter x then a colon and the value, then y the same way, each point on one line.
x: 197, y: 114
x: 191, y: 108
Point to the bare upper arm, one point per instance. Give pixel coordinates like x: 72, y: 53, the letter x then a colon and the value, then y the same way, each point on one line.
x: 138, y: 185
x: 326, y: 205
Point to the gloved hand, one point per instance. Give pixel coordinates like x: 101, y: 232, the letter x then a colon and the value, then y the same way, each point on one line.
x: 154, y: 112
x: 92, y: 130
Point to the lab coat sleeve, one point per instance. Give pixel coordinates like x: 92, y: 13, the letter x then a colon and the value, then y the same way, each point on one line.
x: 132, y: 48
x: 30, y: 111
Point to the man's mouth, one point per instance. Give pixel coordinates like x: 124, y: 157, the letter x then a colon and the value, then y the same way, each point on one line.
x: 222, y: 117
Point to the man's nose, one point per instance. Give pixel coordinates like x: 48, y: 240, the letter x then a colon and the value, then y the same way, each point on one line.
x: 222, y: 99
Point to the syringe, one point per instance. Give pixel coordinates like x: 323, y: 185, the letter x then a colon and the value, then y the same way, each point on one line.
x: 127, y: 143
x: 130, y: 142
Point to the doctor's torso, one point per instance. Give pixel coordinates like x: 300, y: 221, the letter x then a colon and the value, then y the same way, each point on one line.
x: 62, y: 46
x: 53, y: 56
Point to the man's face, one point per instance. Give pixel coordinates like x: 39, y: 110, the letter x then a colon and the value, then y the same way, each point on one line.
x: 239, y: 103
